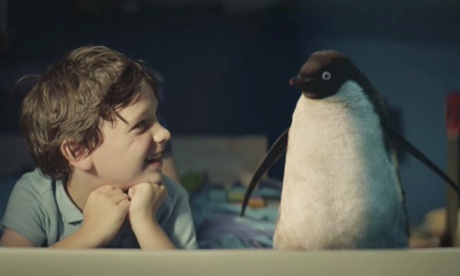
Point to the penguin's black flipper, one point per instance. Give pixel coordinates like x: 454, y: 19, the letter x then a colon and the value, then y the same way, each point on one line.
x: 273, y: 154
x: 401, y: 141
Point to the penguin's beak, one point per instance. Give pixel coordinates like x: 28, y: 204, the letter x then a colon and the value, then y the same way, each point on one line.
x: 310, y: 87
x: 298, y: 82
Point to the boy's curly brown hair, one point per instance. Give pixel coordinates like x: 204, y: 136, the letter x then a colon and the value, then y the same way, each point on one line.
x: 72, y: 98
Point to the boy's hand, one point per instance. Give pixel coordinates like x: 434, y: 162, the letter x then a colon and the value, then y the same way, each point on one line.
x: 146, y: 198
x: 104, y: 213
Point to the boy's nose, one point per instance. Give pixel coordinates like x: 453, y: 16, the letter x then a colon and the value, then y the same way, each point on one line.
x: 161, y: 135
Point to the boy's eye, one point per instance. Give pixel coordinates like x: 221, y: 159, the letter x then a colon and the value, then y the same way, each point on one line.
x: 141, y: 125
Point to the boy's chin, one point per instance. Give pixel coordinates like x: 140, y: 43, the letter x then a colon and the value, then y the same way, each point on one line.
x: 153, y: 178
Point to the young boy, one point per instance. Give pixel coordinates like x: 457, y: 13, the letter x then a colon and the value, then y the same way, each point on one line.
x: 91, y: 127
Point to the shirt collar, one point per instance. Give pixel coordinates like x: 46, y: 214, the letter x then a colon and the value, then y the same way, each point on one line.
x: 69, y: 212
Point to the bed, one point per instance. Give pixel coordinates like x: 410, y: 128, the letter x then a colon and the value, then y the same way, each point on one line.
x: 216, y: 171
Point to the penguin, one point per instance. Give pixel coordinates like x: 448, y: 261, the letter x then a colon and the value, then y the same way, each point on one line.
x: 341, y: 186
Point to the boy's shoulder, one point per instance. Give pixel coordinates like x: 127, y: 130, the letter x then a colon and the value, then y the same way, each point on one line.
x: 35, y: 181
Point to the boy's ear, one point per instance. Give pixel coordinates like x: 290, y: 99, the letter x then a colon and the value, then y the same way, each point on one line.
x: 78, y: 157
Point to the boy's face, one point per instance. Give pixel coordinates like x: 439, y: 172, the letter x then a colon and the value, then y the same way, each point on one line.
x: 131, y: 152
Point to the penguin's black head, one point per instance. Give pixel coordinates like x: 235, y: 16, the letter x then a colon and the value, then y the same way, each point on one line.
x: 324, y: 73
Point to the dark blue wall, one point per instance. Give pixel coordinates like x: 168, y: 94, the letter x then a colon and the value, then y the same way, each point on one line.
x: 227, y: 74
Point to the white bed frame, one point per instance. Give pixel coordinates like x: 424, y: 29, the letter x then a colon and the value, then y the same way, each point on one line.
x: 113, y: 262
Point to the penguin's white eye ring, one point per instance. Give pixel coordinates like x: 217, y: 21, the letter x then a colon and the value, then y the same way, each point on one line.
x: 326, y: 75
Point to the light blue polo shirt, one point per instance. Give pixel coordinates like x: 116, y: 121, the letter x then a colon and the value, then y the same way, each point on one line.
x: 44, y: 216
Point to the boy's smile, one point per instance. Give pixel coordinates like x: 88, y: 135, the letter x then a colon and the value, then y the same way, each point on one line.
x: 154, y: 161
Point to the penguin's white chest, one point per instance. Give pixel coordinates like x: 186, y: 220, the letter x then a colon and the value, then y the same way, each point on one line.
x: 340, y: 186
